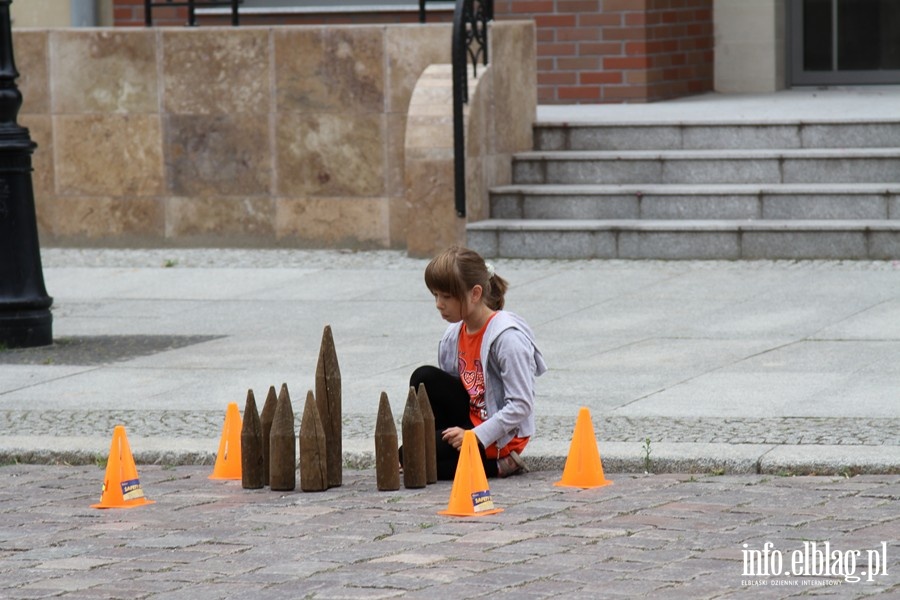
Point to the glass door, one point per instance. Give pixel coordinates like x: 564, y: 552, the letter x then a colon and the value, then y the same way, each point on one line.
x: 845, y: 42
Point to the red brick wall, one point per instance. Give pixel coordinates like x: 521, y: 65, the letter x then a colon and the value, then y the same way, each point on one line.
x: 614, y: 51
x: 130, y: 13
x: 589, y: 51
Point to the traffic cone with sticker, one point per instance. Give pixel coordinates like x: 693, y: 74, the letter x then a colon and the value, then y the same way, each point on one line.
x: 228, y: 458
x: 470, y: 495
x: 584, y: 468
x: 121, y: 486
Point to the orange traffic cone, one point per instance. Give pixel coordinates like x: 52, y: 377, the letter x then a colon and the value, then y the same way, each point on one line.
x: 121, y: 486
x: 228, y: 459
x: 583, y: 466
x: 470, y: 495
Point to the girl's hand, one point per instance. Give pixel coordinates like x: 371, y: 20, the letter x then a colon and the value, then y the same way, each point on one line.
x: 453, y: 436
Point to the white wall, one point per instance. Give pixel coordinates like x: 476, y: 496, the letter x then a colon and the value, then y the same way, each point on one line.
x: 40, y: 13
x: 750, y: 46
x: 45, y: 14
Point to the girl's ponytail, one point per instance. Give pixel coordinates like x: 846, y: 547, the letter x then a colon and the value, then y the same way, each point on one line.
x: 495, y: 290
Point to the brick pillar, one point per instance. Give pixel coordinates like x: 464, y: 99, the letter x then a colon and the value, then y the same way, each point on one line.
x: 592, y: 51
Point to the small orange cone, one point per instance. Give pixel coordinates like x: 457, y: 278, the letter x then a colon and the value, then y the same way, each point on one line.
x: 470, y: 495
x: 228, y: 458
x: 121, y: 486
x: 583, y: 466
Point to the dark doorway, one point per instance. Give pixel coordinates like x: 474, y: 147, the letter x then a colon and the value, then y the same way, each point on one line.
x: 851, y: 42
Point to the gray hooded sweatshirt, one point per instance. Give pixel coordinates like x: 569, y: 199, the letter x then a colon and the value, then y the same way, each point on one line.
x: 511, y: 361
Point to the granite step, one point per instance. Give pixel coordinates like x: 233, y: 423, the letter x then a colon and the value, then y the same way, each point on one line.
x: 703, y: 135
x: 706, y: 201
x: 728, y: 239
x: 701, y: 189
x: 850, y: 165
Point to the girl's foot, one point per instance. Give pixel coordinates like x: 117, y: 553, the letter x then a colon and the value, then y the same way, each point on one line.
x: 512, y: 464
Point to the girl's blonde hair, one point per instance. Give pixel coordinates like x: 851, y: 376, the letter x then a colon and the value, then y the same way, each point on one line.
x: 457, y: 270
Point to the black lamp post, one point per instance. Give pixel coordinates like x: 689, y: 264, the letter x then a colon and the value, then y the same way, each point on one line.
x: 25, y: 318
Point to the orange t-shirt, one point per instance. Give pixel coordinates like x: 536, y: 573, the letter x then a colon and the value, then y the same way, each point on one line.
x: 471, y: 372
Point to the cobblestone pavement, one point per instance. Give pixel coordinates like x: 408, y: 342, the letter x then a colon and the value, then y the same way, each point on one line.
x: 660, y: 536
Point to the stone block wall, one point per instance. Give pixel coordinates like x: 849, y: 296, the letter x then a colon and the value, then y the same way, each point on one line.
x: 223, y: 136
x: 498, y: 123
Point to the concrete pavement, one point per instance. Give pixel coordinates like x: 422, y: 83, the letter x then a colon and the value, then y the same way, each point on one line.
x: 701, y: 367
x: 850, y: 104
x: 719, y: 379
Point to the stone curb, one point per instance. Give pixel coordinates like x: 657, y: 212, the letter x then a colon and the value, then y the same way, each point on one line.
x: 617, y: 457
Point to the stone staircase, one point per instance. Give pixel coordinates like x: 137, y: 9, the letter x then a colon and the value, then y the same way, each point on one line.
x: 702, y: 190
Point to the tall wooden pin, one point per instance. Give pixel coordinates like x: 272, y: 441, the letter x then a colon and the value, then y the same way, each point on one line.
x: 251, y: 446
x: 430, y: 434
x: 313, y: 467
x: 413, y: 443
x: 265, y: 421
x: 387, y: 457
x: 283, y: 445
x: 328, y: 400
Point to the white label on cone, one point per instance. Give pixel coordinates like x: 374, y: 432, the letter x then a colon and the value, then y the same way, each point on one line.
x: 481, y: 501
x: 131, y: 489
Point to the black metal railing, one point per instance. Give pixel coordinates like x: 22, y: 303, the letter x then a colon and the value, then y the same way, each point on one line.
x: 470, y: 42
x: 191, y: 5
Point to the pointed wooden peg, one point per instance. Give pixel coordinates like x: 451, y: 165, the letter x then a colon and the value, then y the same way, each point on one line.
x: 251, y: 446
x: 387, y: 456
x: 283, y: 445
x: 313, y: 468
x: 328, y: 401
x: 265, y: 421
x: 430, y: 434
x: 413, y: 443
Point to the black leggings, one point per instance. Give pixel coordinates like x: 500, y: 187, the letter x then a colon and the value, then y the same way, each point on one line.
x: 450, y: 404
